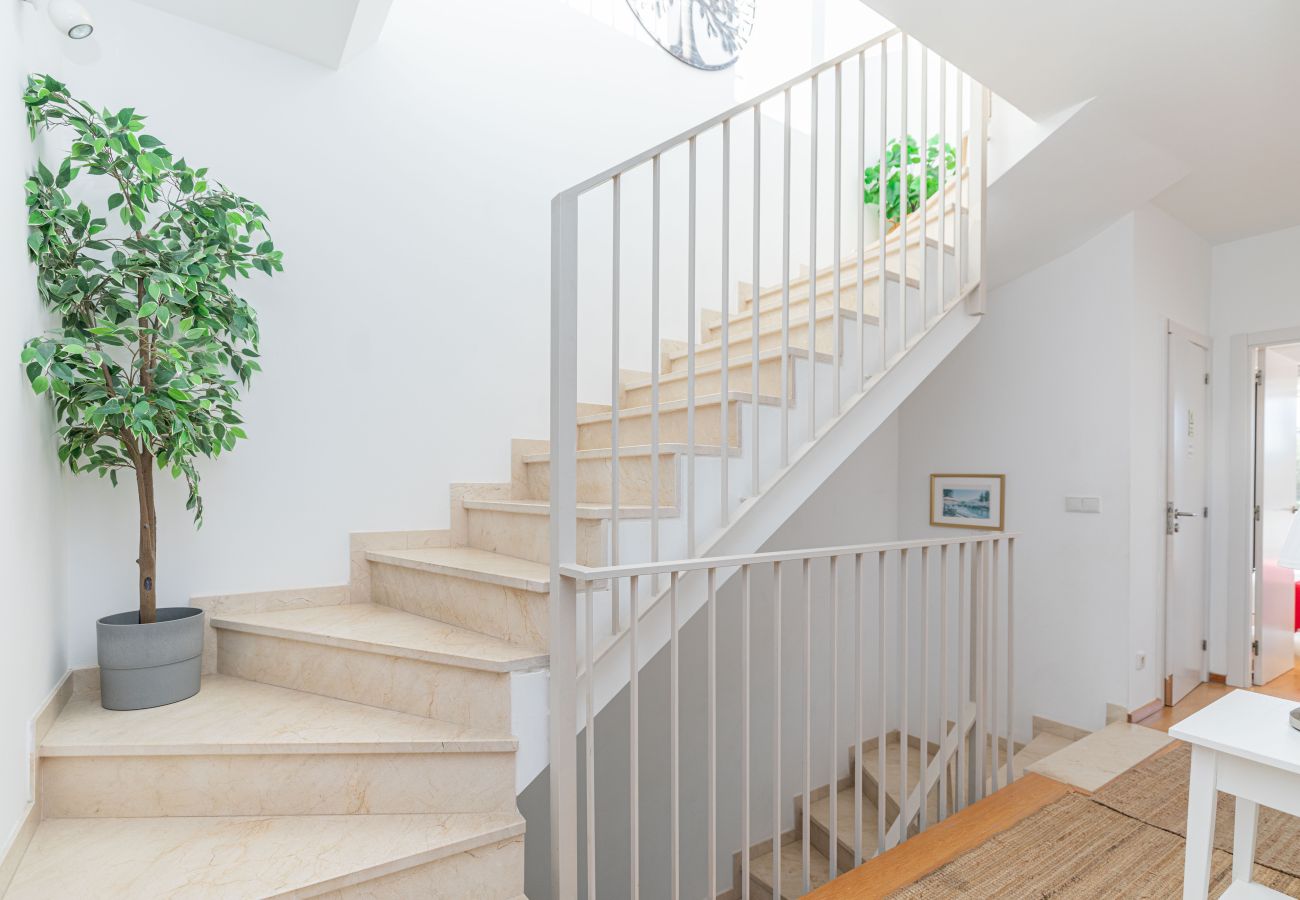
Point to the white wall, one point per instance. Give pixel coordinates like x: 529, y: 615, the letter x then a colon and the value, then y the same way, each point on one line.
x: 1031, y: 393
x: 32, y: 641
x: 1255, y: 289
x: 410, y: 192
x: 1171, y: 269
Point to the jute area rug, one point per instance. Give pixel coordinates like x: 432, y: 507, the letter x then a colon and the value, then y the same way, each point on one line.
x: 1125, y: 841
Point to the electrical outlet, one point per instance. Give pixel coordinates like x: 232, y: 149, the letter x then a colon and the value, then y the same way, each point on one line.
x: 1141, y: 661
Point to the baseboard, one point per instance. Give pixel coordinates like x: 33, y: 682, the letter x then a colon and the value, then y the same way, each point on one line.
x: 1216, y: 678
x: 1146, y: 710
x: 16, y: 844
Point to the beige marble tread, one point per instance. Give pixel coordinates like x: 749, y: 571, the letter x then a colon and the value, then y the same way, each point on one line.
x: 234, y: 716
x: 634, y: 450
x: 585, y: 510
x: 240, y: 856
x: 1092, y: 761
x: 733, y: 362
x: 472, y: 563
x: 632, y: 412
x: 824, y: 313
x: 760, y: 868
x: 375, y: 628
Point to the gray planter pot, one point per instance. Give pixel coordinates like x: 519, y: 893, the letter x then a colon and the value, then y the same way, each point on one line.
x: 142, y: 666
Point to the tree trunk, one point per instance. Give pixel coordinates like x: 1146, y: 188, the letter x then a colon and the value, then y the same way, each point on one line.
x: 148, y: 559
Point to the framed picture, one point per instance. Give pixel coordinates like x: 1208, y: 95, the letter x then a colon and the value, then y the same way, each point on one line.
x: 968, y: 501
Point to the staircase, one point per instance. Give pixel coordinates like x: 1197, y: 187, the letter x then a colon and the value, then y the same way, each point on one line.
x: 871, y: 789
x: 355, y: 749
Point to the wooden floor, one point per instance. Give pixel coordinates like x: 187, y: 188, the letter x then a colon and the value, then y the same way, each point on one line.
x: 1287, y: 686
x: 918, y: 857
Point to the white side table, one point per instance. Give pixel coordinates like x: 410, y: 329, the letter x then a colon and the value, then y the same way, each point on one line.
x: 1242, y: 744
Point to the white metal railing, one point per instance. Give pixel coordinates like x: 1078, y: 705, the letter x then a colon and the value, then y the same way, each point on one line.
x: 656, y: 291
x: 937, y: 617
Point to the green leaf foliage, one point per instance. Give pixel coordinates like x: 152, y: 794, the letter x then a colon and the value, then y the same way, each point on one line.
x: 919, y: 176
x: 153, y: 345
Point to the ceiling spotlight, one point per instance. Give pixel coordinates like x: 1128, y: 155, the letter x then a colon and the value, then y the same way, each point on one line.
x: 69, y: 17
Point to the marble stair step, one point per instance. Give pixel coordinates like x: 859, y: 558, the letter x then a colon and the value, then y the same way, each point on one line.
x: 542, y: 508
x: 375, y: 628
x: 673, y: 386
x: 273, y: 856
x: 635, y: 469
x: 498, y: 594
x: 820, y: 818
x: 239, y: 747
x: 634, y: 425
x: 791, y: 864
x: 740, y: 334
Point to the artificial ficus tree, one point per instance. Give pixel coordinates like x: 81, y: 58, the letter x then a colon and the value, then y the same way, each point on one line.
x: 920, y: 176
x: 153, y: 344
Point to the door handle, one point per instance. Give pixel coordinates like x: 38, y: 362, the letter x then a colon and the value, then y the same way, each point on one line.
x: 1172, y: 516
x: 1179, y: 514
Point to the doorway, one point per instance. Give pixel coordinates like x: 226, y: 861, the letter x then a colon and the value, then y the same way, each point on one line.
x: 1276, y: 501
x: 1186, y: 512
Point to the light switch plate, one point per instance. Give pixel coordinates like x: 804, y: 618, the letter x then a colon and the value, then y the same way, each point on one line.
x: 1083, y: 504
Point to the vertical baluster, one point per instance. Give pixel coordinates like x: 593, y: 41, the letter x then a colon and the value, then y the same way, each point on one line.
x: 925, y: 186
x: 980, y: 101
x: 634, y: 713
x: 958, y: 218
x: 978, y: 624
x: 807, y: 724
x: 785, y: 293
x: 993, y: 660
x: 925, y: 686
x: 943, y: 184
x: 883, y: 701
x: 744, y: 732
x: 833, y: 843
x: 690, y: 356
x: 812, y: 267
x: 861, y: 217
x: 657, y: 177
x: 963, y: 684
x: 1011, y: 658
x: 904, y: 182
x: 882, y: 323
x: 836, y: 349
x: 755, y: 475
x: 713, y: 732
x: 615, y: 389
x: 724, y: 303
x: 857, y: 710
x: 943, y: 681
x: 589, y: 742
x: 904, y: 731
x: 776, y: 729
x: 674, y: 737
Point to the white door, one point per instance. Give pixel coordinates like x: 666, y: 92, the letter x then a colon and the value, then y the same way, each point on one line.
x: 1185, y: 582
x: 1275, y: 497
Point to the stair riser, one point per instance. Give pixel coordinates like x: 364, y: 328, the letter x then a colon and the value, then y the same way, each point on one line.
x: 281, y: 784
x: 741, y: 346
x: 450, y: 693
x: 491, y: 872
x: 594, y: 480
x: 771, y: 295
x: 635, y: 430
x: 820, y: 838
x: 770, y: 318
x: 528, y: 536
x: 511, y: 614
x: 706, y: 383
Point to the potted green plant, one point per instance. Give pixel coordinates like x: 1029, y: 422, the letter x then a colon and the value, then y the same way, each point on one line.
x: 152, y: 347
x: 919, y: 178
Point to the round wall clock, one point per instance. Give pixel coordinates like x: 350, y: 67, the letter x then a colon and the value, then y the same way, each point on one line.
x: 706, y: 34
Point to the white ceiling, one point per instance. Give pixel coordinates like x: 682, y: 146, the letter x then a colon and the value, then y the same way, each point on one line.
x: 328, y: 32
x: 1212, y: 84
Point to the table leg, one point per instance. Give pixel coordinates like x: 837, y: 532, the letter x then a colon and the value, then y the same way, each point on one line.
x: 1243, y: 839
x: 1202, y: 797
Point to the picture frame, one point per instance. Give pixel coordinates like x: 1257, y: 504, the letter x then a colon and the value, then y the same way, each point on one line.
x: 968, y: 501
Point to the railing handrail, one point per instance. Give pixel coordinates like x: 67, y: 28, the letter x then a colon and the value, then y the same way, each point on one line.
x: 645, y: 156
x: 694, y: 564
